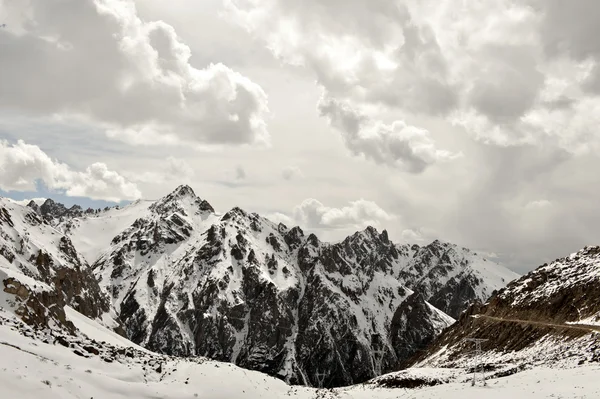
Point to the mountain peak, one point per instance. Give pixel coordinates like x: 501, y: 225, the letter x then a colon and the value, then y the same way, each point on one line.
x: 52, y: 209
x: 33, y: 205
x: 183, y: 191
x: 178, y: 198
x: 372, y: 231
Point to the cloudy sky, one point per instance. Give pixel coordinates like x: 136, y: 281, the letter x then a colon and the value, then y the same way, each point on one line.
x: 471, y: 121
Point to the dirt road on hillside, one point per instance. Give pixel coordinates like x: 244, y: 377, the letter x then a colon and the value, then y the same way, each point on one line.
x: 580, y: 327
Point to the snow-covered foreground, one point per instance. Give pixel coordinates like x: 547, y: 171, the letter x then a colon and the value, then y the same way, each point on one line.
x: 32, y: 368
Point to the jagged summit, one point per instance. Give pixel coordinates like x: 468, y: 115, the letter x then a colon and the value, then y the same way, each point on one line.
x: 184, y: 190
x: 369, y: 234
x: 33, y: 205
x: 184, y: 200
x: 51, y: 209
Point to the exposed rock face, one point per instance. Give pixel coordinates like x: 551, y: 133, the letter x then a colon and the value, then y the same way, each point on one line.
x: 236, y: 287
x: 557, y: 301
x: 55, y: 212
x: 450, y: 277
x: 37, y: 307
x: 415, y: 324
x: 43, y: 270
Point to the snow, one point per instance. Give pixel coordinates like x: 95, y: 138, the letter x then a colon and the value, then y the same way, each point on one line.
x: 91, y: 234
x: 576, y: 271
x: 593, y: 320
x: 94, y: 331
x: 26, y: 237
x: 494, y: 275
x: 38, y: 201
x: 31, y: 283
x: 456, y: 263
x: 441, y: 319
x: 550, y: 350
x: 31, y: 369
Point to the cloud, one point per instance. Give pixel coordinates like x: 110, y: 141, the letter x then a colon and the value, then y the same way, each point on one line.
x: 411, y: 236
x: 397, y: 145
x: 240, y: 173
x: 178, y: 168
x: 313, y: 214
x: 501, y: 70
x: 278, y: 217
x: 171, y: 169
x: 132, y: 77
x: 21, y: 165
x: 25, y: 202
x: 570, y: 28
x: 291, y: 172
x: 355, y: 46
x: 538, y: 204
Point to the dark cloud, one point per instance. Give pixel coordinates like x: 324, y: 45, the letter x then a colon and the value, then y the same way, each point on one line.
x: 570, y: 27
x: 508, y: 84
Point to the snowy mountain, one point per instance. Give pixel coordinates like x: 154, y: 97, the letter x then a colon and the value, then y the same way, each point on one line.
x: 186, y: 280
x: 548, y: 317
x: 450, y: 277
x: 42, y: 268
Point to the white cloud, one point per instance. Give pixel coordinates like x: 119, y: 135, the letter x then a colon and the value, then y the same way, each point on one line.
x: 411, y: 236
x: 21, y: 165
x: 538, y: 204
x: 291, y: 172
x: 313, y: 214
x: 398, y: 145
x: 171, y: 169
x: 353, y: 49
x: 490, y: 67
x: 278, y: 217
x: 133, y: 77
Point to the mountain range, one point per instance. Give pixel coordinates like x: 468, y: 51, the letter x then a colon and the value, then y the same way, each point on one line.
x: 179, y: 278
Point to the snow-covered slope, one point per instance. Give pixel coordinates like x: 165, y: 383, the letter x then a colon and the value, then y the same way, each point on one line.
x: 23, y: 235
x: 92, y: 233
x: 546, y: 317
x: 37, y: 363
x: 40, y: 265
x: 449, y: 276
